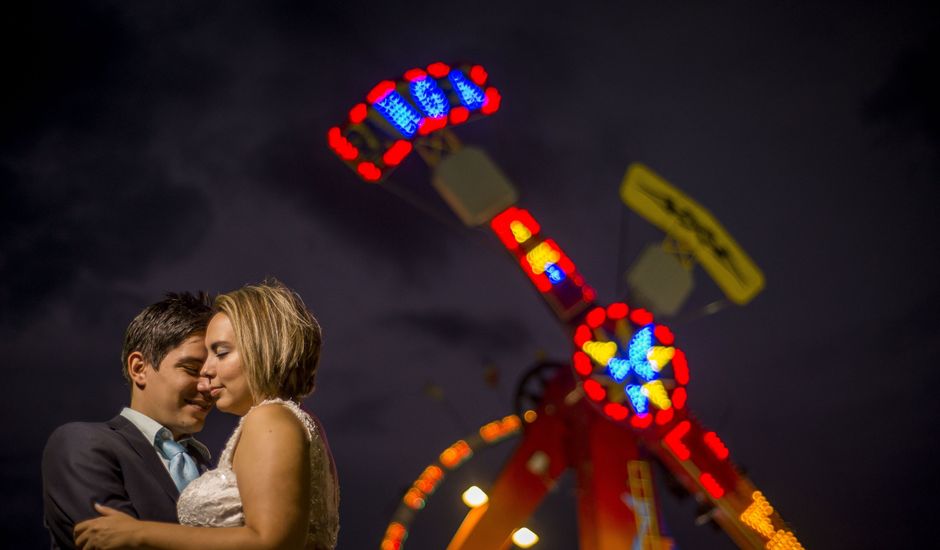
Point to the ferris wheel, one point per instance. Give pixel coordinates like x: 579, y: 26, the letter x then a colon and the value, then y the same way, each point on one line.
x: 621, y: 398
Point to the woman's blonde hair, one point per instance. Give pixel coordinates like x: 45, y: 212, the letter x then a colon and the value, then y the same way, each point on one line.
x: 277, y: 338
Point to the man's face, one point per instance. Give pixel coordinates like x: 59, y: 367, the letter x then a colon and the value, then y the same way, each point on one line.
x: 169, y: 394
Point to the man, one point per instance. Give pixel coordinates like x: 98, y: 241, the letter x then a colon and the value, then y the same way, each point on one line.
x: 139, y: 461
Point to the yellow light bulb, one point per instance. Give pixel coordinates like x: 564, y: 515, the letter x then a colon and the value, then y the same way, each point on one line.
x: 657, y: 394
x: 519, y: 231
x: 600, y: 352
x: 541, y: 256
x: 660, y: 356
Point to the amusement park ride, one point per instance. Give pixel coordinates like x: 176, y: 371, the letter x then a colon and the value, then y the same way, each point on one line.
x: 622, y: 400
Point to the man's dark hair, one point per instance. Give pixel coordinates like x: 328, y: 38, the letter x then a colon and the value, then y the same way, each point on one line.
x: 164, y: 325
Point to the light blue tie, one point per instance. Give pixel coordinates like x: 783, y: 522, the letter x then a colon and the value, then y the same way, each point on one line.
x: 182, y: 466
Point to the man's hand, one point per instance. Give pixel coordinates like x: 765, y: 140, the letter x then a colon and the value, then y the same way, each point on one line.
x: 112, y: 531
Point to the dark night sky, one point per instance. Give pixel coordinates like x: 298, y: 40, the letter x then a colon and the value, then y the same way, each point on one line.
x: 158, y: 146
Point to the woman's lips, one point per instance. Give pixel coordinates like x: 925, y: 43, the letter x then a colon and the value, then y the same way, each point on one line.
x: 214, y: 392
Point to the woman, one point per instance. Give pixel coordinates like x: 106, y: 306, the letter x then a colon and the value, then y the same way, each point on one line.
x: 276, y: 484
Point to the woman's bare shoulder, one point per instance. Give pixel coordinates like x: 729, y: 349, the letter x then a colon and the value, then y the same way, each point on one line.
x: 273, y: 418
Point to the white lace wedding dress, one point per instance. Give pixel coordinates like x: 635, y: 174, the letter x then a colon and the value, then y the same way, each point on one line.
x: 212, y: 500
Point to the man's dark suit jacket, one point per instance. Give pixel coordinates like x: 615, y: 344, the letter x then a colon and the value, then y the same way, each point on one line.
x: 110, y: 463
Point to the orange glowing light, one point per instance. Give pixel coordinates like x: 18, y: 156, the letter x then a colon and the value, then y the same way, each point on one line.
x: 784, y: 540
x: 499, y: 429
x: 429, y: 479
x: 414, y: 499
x: 456, y: 454
x: 394, y: 535
x: 757, y: 515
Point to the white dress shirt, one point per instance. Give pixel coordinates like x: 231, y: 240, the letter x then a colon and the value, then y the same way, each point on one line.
x: 149, y: 428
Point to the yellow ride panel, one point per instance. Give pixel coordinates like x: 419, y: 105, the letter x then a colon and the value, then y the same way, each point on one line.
x: 688, y: 222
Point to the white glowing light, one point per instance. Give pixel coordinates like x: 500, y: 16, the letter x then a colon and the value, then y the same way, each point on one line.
x: 474, y: 497
x: 524, y: 538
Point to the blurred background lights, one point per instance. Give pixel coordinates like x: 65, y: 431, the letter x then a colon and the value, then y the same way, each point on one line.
x: 524, y: 538
x: 474, y: 497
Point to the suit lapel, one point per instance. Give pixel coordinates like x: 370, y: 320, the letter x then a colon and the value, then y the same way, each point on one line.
x: 147, y: 453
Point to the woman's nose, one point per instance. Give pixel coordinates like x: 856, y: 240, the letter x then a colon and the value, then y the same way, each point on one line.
x: 208, y: 369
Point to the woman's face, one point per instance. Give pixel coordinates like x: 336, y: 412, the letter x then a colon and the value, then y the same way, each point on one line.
x: 222, y: 374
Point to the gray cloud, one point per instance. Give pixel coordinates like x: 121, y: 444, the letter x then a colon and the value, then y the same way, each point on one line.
x: 458, y: 328
x: 909, y: 98
x: 106, y: 219
x: 82, y: 198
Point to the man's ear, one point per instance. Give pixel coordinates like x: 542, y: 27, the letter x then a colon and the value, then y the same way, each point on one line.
x: 137, y: 369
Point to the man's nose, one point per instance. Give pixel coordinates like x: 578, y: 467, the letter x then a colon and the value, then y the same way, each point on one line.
x: 204, y: 384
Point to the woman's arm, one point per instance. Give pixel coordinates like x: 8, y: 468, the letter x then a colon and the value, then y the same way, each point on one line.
x: 272, y: 465
x: 273, y: 457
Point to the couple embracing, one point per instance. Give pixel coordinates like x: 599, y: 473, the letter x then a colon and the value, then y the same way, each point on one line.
x: 141, y: 480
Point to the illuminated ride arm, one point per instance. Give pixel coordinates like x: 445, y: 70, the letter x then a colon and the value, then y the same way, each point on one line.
x: 633, y: 377
x: 630, y: 370
x: 378, y: 133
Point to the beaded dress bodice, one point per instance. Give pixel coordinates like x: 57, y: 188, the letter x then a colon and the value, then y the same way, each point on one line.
x: 213, y: 500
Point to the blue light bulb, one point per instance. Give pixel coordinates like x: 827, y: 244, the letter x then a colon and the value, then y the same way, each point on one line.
x: 430, y: 97
x: 555, y: 273
x: 471, y: 96
x: 399, y: 113
x: 637, y: 351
